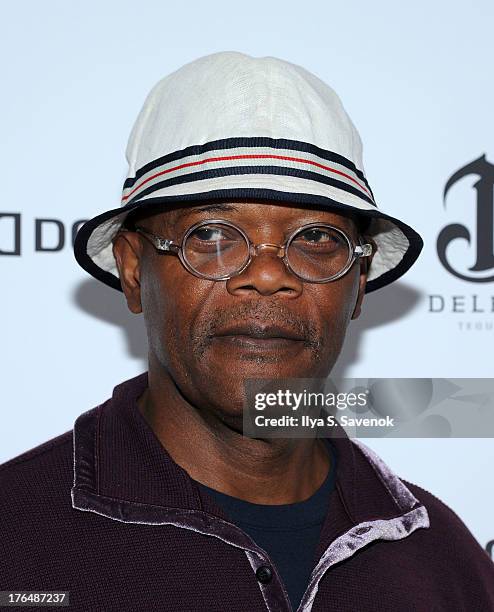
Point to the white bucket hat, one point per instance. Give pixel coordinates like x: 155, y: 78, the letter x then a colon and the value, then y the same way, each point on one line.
x: 228, y: 125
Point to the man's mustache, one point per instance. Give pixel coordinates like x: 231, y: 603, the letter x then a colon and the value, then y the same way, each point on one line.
x: 257, y: 317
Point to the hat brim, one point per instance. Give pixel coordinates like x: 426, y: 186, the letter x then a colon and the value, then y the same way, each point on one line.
x: 398, y: 244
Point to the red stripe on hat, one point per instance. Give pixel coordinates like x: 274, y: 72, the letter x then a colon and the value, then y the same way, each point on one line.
x: 233, y: 157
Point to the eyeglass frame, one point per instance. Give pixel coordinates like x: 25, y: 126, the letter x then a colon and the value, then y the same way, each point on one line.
x: 166, y: 245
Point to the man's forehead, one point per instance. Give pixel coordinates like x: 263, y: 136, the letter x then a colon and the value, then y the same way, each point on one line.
x: 247, y: 211
x: 213, y: 207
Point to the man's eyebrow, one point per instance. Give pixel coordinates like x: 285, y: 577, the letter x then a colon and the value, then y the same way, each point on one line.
x: 206, y: 208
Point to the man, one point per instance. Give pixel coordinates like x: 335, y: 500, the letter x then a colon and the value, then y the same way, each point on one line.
x: 247, y: 237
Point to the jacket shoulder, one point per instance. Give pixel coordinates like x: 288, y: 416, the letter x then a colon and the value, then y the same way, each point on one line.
x: 439, y: 511
x: 455, y: 543
x: 36, y: 453
x: 37, y: 470
x: 36, y: 515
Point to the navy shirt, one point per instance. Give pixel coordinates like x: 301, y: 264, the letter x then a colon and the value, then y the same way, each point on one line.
x: 289, y: 533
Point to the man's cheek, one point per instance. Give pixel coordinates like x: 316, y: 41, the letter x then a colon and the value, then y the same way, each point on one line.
x: 160, y: 314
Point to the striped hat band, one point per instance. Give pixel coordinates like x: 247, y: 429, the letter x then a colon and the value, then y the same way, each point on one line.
x: 243, y: 156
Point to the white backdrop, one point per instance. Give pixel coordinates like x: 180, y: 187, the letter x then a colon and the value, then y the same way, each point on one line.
x: 417, y: 81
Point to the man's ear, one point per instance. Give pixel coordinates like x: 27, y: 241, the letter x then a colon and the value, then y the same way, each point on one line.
x: 127, y: 250
x: 365, y: 263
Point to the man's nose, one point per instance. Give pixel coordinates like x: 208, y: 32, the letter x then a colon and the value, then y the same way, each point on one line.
x: 266, y: 274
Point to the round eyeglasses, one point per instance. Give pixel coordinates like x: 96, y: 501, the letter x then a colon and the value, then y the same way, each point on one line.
x: 216, y: 249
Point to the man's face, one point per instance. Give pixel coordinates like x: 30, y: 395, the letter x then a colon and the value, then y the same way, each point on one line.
x: 211, y: 336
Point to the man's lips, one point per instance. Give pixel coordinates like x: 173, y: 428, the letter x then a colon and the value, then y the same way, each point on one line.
x: 258, y: 337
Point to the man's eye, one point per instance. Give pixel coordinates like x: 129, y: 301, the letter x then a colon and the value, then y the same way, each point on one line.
x: 210, y: 234
x: 213, y: 238
x: 320, y: 236
x: 316, y: 236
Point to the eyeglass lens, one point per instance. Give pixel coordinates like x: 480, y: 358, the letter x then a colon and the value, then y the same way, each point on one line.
x: 216, y: 250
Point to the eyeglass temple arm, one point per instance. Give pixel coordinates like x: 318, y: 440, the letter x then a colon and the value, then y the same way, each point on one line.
x: 363, y: 250
x: 161, y: 244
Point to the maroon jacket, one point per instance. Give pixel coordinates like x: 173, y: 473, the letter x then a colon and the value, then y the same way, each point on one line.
x: 106, y: 514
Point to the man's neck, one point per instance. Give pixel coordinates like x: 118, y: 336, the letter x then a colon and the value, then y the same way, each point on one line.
x: 269, y: 471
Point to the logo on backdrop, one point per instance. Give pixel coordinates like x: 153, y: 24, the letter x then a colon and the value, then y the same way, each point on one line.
x: 466, y: 250
x: 50, y: 235
x: 481, y: 245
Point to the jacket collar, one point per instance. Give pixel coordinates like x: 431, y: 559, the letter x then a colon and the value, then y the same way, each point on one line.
x: 122, y: 471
